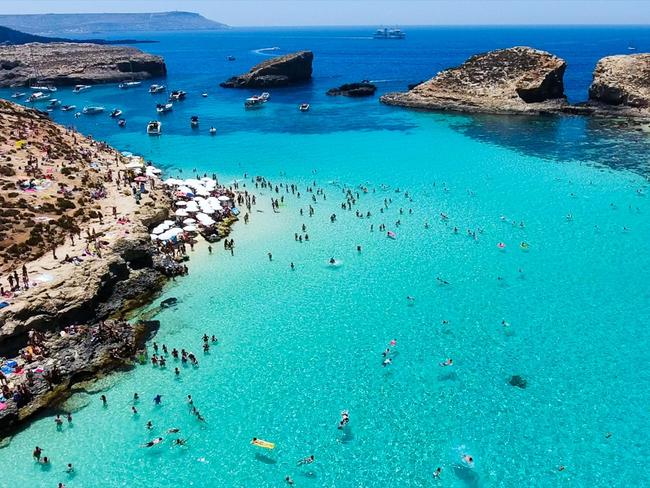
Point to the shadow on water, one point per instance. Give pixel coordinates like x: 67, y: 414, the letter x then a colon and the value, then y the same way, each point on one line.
x: 467, y: 475
x: 265, y: 459
x: 600, y: 142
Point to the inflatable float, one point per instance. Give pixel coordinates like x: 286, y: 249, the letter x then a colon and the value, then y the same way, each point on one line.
x: 391, y: 235
x: 261, y: 443
x: 501, y: 245
x: 524, y: 246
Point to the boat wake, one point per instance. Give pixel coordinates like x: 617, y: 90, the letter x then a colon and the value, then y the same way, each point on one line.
x: 266, y: 51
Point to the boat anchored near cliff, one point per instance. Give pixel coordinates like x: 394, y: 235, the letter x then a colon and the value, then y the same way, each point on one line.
x: 80, y: 88
x: 154, y: 128
x: 164, y: 108
x: 125, y: 85
x: 92, y: 110
x: 157, y: 88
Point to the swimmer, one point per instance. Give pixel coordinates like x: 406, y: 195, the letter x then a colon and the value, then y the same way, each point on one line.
x: 436, y: 473
x: 307, y: 460
x: 104, y: 401
x: 37, y: 453
x: 173, y: 430
x: 134, y: 410
x: 410, y: 299
x: 447, y: 362
x: 70, y: 468
x: 157, y: 440
x: 393, y: 342
x: 468, y: 460
x: 387, y: 362
x: 180, y: 442
x: 288, y: 480
x: 157, y: 399
x: 345, y: 418
x: 441, y: 281
x: 505, y: 324
x: 386, y: 352
x: 332, y: 261
x: 149, y: 425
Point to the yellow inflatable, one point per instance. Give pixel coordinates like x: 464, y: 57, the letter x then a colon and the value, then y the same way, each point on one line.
x: 261, y: 443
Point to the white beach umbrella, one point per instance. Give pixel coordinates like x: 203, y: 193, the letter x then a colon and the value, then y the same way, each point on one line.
x: 190, y: 228
x: 181, y: 212
x: 158, y: 230
x: 189, y: 220
x: 223, y: 198
x: 207, y: 210
x: 181, y: 203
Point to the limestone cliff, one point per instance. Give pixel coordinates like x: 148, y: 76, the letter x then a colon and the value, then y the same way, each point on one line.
x: 281, y: 71
x: 622, y: 83
x: 514, y: 80
x: 72, y: 64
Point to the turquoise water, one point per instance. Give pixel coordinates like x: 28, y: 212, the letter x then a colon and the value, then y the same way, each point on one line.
x: 298, y: 347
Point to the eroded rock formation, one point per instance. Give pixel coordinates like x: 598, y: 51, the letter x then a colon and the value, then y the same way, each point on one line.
x: 281, y: 71
x: 622, y: 82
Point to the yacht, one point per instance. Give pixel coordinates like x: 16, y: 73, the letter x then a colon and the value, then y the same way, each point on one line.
x: 68, y: 108
x: 38, y: 97
x: 157, y: 88
x: 92, y: 110
x: 386, y: 33
x: 194, y: 121
x: 304, y: 107
x: 18, y: 95
x: 253, y: 103
x: 80, y: 88
x: 116, y: 113
x: 125, y: 85
x: 164, y: 108
x: 177, y: 95
x: 154, y: 128
x: 43, y: 88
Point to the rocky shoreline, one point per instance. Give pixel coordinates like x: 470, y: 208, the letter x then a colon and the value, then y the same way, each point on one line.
x: 66, y: 322
x: 523, y: 80
x: 66, y: 64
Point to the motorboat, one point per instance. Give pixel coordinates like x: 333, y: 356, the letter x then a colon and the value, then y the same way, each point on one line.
x: 43, y: 88
x: 154, y: 128
x: 157, y: 88
x: 68, y: 108
x: 386, y: 33
x: 125, y: 85
x: 121, y: 123
x: 164, y: 108
x: 177, y: 95
x: 304, y: 107
x: 18, y: 95
x: 92, y: 110
x: 38, y: 97
x: 253, y: 103
x: 194, y: 121
x: 231, y: 58
x: 54, y: 103
x: 80, y: 88
x: 213, y: 131
x: 116, y: 113
x: 204, y: 94
x: 265, y: 96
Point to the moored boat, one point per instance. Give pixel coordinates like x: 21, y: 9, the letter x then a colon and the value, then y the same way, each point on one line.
x: 43, y: 88
x: 121, y: 123
x: 92, y: 110
x: 18, y: 95
x: 304, y: 107
x: 194, y: 121
x: 80, y: 88
x: 177, y: 95
x: 68, y: 108
x: 154, y: 128
x: 265, y: 96
x: 115, y: 113
x: 38, y: 97
x: 157, y: 88
x: 129, y: 84
x: 386, y: 33
x: 54, y: 103
x: 164, y: 108
x: 231, y: 58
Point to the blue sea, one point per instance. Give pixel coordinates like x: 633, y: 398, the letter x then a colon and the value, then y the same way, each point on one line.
x: 568, y: 311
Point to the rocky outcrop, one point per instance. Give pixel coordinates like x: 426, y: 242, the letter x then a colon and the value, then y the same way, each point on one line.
x: 622, y: 83
x: 354, y: 90
x: 72, y: 64
x: 281, y: 71
x: 514, y: 80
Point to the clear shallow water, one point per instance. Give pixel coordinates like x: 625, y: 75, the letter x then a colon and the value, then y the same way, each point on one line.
x: 298, y: 347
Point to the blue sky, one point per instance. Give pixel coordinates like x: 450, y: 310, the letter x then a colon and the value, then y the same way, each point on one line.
x: 365, y: 12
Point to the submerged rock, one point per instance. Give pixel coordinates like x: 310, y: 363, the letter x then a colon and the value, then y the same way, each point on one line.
x: 362, y: 89
x: 75, y: 403
x: 169, y: 302
x: 64, y: 63
x: 514, y: 80
x: 622, y: 82
x: 281, y: 71
x: 518, y: 381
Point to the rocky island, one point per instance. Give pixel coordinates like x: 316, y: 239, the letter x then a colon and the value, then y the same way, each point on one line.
x: 286, y: 70
x: 514, y: 80
x: 354, y: 90
x: 621, y: 85
x: 72, y: 63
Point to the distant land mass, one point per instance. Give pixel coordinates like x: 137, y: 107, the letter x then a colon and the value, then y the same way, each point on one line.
x: 13, y: 37
x: 84, y: 24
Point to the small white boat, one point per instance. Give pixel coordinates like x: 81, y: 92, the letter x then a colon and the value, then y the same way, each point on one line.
x: 253, y: 103
x: 213, y: 131
x: 38, y: 97
x: 304, y: 107
x: 129, y: 84
x: 68, y: 108
x: 164, y: 108
x: 43, y: 88
x: 154, y: 128
x: 157, y: 88
x: 80, y: 88
x: 194, y: 121
x: 54, y: 103
x: 204, y: 94
x: 177, y: 95
x: 265, y: 96
x: 18, y: 95
x: 92, y: 110
x: 116, y: 113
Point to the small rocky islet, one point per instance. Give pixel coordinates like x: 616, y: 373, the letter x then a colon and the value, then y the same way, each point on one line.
x: 287, y: 70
